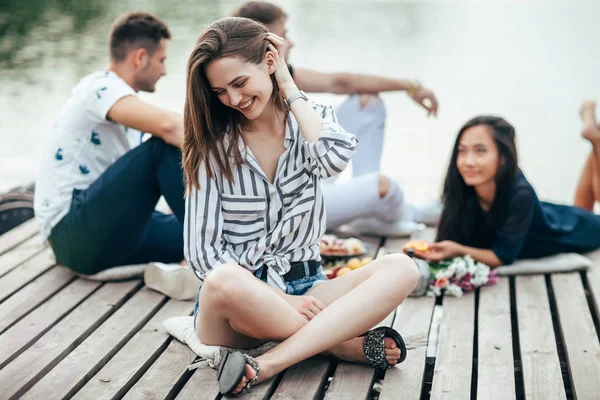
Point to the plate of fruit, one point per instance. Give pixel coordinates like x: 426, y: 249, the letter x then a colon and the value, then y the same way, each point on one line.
x: 416, y: 245
x: 340, y: 267
x: 333, y: 248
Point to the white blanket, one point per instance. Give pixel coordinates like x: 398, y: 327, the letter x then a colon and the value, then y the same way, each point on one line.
x: 121, y: 273
x: 183, y: 329
x: 566, y: 262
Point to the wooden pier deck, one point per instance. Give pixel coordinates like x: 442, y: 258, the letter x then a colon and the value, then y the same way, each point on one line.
x: 534, y: 337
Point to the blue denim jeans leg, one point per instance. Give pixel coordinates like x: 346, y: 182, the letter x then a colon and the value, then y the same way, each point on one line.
x: 113, y: 222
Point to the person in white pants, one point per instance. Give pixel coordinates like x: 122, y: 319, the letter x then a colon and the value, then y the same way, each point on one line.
x: 369, y: 202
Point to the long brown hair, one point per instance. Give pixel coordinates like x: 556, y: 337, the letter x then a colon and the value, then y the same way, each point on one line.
x: 206, y: 119
x: 458, y: 221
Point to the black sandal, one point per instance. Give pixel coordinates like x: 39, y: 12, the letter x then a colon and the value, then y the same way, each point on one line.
x: 232, y: 369
x: 374, y: 346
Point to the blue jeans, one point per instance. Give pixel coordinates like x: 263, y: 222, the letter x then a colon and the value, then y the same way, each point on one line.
x: 297, y: 287
x: 113, y: 222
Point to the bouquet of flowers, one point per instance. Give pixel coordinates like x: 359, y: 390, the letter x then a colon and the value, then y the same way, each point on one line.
x: 459, y: 275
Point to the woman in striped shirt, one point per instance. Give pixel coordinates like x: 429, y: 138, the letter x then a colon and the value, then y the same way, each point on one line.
x: 254, y: 153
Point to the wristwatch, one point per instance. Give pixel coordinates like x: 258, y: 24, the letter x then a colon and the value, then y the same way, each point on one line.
x: 298, y: 95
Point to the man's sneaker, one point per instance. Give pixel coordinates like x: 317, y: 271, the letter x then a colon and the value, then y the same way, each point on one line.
x: 176, y: 281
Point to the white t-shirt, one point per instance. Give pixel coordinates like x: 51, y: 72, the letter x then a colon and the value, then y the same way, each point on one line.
x: 83, y: 145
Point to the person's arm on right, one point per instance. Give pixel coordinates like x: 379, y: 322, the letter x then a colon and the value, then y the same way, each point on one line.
x: 137, y: 114
x: 352, y: 83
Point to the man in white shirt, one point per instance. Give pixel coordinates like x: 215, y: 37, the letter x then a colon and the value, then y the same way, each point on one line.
x: 99, y: 184
x: 372, y: 202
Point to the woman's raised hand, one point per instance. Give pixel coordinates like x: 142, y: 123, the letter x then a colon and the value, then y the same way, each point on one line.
x: 282, y: 73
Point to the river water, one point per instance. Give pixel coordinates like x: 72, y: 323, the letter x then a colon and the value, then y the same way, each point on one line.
x: 531, y: 62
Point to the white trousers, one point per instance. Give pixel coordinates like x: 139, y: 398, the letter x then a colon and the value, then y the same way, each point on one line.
x: 359, y: 196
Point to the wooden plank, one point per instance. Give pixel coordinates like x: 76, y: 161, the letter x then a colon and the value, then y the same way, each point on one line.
x: 259, y: 392
x: 593, y: 277
x: 351, y: 381
x: 594, y: 280
x: 33, y: 294
x: 202, y: 385
x: 119, y: 374
x: 55, y: 344
x: 454, y: 360
x: 68, y: 376
x: 541, y: 367
x: 21, y: 253
x: 373, y: 243
x: 413, y: 318
x: 33, y: 325
x: 17, y: 235
x: 395, y: 245
x: 580, y: 338
x: 495, y: 376
x: 305, y: 380
x: 163, y: 375
x: 30, y: 269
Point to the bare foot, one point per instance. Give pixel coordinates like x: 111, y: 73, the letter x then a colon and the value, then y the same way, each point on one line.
x: 352, y: 350
x: 587, y: 110
x: 591, y: 130
x: 266, y: 372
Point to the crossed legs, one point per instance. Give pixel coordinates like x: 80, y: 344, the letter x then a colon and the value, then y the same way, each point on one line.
x: 238, y: 310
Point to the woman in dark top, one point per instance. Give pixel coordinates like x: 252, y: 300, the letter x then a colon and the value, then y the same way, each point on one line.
x: 493, y: 214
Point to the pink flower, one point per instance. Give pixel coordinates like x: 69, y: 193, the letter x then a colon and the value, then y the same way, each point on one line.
x: 466, y: 285
x: 441, y: 283
x: 493, y: 278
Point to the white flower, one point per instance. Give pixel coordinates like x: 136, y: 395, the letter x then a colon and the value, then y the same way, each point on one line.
x: 434, y: 291
x: 454, y: 290
x: 479, y: 280
x: 482, y: 269
x: 444, y: 273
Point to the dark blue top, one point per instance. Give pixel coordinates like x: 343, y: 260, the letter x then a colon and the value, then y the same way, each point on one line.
x: 519, y: 225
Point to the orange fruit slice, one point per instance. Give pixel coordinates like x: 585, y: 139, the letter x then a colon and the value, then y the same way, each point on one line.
x: 418, y: 245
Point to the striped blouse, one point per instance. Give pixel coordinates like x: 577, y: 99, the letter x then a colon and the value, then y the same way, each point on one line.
x: 253, y: 222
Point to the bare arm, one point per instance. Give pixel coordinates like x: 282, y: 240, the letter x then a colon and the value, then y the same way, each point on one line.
x: 482, y: 255
x: 346, y: 83
x: 447, y: 249
x: 351, y: 83
x: 137, y: 114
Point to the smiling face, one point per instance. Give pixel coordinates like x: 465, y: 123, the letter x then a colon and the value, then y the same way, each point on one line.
x: 243, y: 86
x: 477, y: 156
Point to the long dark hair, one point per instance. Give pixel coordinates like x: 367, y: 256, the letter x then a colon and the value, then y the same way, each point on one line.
x: 207, y: 120
x: 459, y: 220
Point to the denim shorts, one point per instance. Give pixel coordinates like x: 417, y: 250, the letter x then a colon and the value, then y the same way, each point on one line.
x: 296, y: 287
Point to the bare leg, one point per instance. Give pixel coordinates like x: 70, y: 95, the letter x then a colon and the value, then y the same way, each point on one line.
x: 392, y: 279
x: 238, y: 310
x: 588, y: 188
